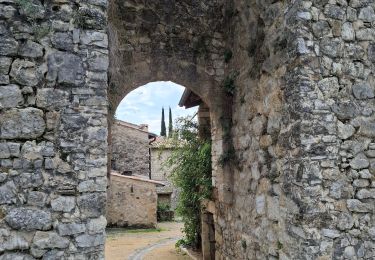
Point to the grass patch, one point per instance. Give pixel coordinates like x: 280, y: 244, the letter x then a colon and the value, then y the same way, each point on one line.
x: 115, y: 232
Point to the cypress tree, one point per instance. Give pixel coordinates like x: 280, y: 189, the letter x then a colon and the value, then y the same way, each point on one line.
x: 170, y: 126
x: 163, y: 131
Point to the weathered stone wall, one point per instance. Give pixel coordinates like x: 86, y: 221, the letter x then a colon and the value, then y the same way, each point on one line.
x: 301, y: 181
x: 161, y: 172
x: 130, y: 148
x: 53, y: 129
x: 296, y: 141
x: 132, y: 202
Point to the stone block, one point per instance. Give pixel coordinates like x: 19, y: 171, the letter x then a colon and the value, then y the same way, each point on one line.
x: 63, y: 41
x: 16, y: 256
x: 31, y: 49
x: 65, y: 69
x: 25, y: 123
x: 63, y: 203
x: 8, y: 46
x: 5, y: 63
x: 329, y: 86
x: 90, y: 240
x: 344, y: 131
x: 70, y: 229
x: 8, y: 193
x: 359, y: 162
x: 4, y: 151
x: 363, y: 91
x: 357, y: 206
x: 366, y: 194
x: 347, y: 32
x: 49, y: 240
x: 92, y: 204
x: 98, y: 61
x: 97, y: 225
x: 25, y: 73
x: 14, y: 149
x: 10, y: 96
x: 367, y: 128
x: 51, y: 99
x: 29, y: 219
x: 37, y: 198
x: 94, y: 38
x: 367, y: 14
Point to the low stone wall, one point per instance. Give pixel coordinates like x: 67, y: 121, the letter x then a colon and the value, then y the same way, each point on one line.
x: 132, y: 202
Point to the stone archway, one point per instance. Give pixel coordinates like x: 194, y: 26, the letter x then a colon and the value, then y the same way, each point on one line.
x: 180, y: 41
x: 302, y: 128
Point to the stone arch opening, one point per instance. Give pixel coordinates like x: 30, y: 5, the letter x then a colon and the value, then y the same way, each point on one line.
x: 180, y: 41
x: 138, y: 151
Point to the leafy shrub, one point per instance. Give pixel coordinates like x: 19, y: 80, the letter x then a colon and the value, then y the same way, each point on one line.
x: 191, y: 173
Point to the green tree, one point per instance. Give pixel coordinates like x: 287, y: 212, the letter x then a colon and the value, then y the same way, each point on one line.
x: 163, y: 131
x: 190, y: 164
x: 170, y: 126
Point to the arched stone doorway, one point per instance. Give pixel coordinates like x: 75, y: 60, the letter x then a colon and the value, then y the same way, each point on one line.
x: 180, y: 41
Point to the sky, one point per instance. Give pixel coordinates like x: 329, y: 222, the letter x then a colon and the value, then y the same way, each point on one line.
x: 143, y: 105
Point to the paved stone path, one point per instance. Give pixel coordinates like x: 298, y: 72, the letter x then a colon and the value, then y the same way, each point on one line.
x: 141, y: 253
x: 122, y: 244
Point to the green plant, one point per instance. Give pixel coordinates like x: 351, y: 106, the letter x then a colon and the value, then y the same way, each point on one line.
x: 27, y: 7
x: 279, y: 245
x: 191, y: 173
x: 228, y: 54
x: 79, y: 20
x: 229, y: 83
x: 227, y: 157
x: 163, y: 207
x: 243, y: 244
x: 33, y: 12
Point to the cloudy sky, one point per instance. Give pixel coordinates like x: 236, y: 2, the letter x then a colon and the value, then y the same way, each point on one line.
x: 144, y: 104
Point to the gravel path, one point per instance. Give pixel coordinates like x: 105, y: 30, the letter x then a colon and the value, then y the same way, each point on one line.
x: 140, y: 253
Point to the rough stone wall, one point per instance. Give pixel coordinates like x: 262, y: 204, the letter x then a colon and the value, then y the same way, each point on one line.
x: 161, y: 172
x: 53, y: 129
x: 130, y: 149
x: 131, y: 202
x: 303, y: 128
x: 301, y: 183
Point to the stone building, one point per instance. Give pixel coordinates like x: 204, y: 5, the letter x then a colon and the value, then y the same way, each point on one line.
x: 290, y: 90
x: 130, y: 148
x: 131, y: 201
x: 161, y: 149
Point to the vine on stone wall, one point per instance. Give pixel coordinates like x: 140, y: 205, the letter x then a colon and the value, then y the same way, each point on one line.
x: 191, y: 173
x: 33, y: 13
x: 229, y: 83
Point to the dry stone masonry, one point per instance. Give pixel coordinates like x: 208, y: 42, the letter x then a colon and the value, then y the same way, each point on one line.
x: 290, y: 87
x: 53, y: 129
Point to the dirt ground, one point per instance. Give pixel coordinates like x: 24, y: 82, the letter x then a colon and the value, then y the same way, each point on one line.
x: 122, y: 244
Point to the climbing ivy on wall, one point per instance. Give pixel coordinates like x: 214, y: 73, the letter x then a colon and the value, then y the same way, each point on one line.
x: 191, y: 173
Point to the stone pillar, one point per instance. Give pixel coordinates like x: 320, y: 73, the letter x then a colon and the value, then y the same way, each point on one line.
x: 53, y: 129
